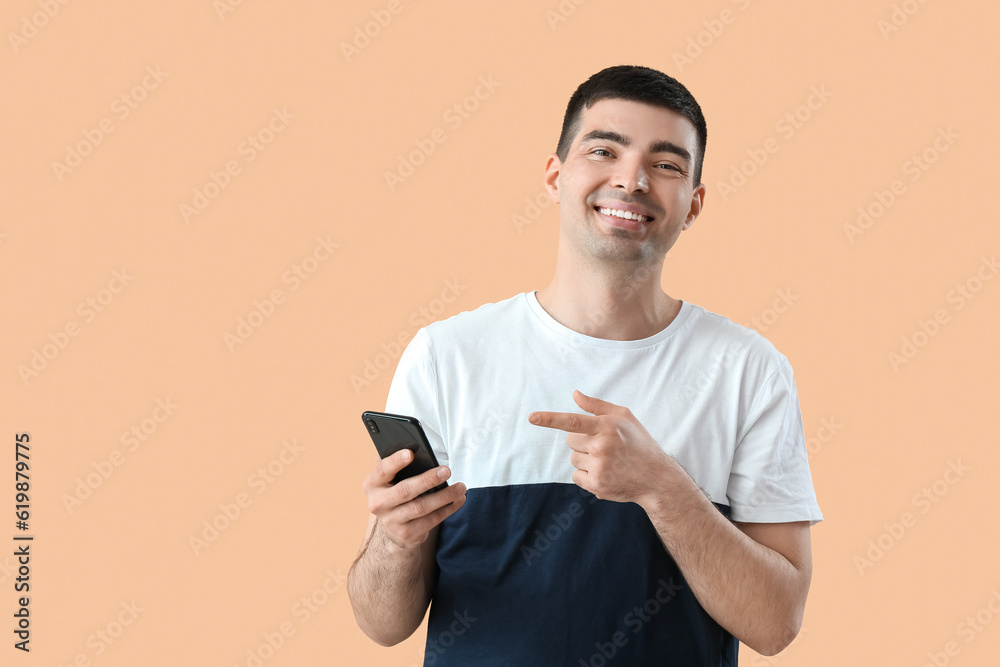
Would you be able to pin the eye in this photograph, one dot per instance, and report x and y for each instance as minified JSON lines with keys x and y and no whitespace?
{"x":603,"y":151}
{"x":668,"y":166}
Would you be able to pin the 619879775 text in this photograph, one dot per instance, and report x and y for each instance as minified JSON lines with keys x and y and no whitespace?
{"x":22,"y":551}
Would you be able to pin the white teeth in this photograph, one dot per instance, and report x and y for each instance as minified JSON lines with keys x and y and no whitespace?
{"x":618,"y":213}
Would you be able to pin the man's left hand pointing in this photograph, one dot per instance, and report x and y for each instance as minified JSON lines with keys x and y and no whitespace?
{"x":614,"y":455}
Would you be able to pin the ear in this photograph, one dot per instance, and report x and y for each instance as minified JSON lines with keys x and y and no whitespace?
{"x":553,"y":165}
{"x":697,"y":202}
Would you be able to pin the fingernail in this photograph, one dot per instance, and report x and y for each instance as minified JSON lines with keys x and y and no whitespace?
{"x":443,"y":473}
{"x":533,"y":418}
{"x":405,"y":455}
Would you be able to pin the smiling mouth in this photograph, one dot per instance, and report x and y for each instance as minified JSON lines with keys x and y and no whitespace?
{"x":623,"y":215}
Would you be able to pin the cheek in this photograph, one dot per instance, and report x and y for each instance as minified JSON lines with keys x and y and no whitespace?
{"x":677,"y":203}
{"x":580,"y":181}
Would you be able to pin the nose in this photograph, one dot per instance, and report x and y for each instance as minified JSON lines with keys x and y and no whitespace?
{"x":631,"y":176}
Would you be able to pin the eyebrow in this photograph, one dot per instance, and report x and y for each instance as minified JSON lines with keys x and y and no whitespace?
{"x":659,"y":146}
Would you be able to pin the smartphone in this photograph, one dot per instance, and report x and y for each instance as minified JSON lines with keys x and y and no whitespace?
{"x":391,"y":433}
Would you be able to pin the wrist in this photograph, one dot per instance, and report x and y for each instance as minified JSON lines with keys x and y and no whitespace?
{"x":661,"y":491}
{"x":393,"y":547}
{"x":674,"y":494}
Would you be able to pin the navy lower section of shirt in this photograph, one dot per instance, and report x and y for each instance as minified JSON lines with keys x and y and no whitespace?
{"x":548,"y":575}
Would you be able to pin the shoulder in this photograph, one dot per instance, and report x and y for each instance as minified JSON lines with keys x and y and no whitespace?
{"x":714,"y":330}
{"x":714,"y":340}
{"x":489,"y":319}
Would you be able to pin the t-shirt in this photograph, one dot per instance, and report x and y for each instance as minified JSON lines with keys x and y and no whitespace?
{"x":533,"y":569}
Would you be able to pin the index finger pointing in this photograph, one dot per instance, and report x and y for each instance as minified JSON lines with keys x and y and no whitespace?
{"x":566,"y":421}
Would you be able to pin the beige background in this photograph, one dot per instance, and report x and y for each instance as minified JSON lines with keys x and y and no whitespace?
{"x":444,"y":240}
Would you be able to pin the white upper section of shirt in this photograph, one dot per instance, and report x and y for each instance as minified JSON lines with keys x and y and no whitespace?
{"x":717,"y":396}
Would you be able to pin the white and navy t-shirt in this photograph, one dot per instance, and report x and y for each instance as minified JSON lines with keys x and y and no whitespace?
{"x":533,"y":569}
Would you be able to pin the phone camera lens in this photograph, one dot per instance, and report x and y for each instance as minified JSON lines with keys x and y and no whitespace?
{"x":372,"y":426}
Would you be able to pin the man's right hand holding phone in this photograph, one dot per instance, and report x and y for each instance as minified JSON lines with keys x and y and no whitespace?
{"x":390,"y":581}
{"x":406,"y":516}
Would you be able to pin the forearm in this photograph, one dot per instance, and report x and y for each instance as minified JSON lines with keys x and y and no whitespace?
{"x":749,"y":589}
{"x":388,"y":588}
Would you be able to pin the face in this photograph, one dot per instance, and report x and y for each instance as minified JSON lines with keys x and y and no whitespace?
{"x":631,"y":157}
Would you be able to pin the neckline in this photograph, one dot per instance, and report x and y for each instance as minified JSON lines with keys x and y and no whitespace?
{"x":578,"y":338}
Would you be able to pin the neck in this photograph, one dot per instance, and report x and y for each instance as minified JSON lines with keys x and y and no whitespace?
{"x":615,"y":301}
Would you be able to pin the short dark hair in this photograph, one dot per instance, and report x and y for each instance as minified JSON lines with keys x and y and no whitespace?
{"x":637,"y":84}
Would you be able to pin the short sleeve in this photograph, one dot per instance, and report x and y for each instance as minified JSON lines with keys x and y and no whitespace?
{"x":769,"y":481}
{"x":414,"y":391}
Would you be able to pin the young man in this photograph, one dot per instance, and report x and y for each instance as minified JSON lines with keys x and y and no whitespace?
{"x":632,"y":479}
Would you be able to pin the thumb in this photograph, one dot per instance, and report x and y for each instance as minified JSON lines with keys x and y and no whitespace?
{"x":594,"y":406}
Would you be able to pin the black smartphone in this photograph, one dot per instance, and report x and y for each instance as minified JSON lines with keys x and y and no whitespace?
{"x":391,"y":433}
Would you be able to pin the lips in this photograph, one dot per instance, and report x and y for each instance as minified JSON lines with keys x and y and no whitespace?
{"x":624,"y":216}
